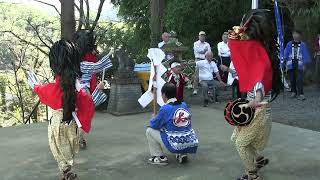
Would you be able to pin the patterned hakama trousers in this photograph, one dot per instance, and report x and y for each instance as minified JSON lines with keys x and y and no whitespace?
{"x":253,"y":138}
{"x":63,"y":140}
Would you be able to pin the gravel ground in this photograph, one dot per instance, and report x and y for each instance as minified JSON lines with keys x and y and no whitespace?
{"x":303,"y":114}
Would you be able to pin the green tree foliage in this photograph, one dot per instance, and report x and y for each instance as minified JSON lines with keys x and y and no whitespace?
{"x":187,"y":18}
{"x":25,"y":38}
{"x":136,"y":14}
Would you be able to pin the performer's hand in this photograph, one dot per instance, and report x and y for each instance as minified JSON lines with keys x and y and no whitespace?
{"x":254,"y":104}
{"x":100,"y":85}
{"x":32,"y":79}
{"x":111,"y":52}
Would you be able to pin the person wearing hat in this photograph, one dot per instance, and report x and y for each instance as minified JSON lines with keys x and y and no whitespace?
{"x":176,"y":77}
{"x":200,"y":48}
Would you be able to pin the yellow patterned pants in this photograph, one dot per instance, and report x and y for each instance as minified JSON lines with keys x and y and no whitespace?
{"x":63,"y":141}
{"x":251,"y":139}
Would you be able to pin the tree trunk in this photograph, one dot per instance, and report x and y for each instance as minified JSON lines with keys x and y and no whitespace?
{"x":68,"y":23}
{"x":3,"y":95}
{"x":156,"y":21}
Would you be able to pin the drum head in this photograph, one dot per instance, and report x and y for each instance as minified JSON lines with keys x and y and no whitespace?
{"x":237,"y":113}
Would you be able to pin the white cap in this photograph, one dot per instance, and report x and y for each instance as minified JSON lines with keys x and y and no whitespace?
{"x":175,"y":64}
{"x":202,"y":33}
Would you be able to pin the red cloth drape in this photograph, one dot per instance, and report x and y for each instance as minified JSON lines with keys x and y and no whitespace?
{"x":51,"y":95}
{"x":252,"y":64}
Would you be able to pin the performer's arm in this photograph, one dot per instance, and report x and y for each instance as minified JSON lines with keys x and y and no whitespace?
{"x":98,"y":96}
{"x":158,"y":121}
{"x":259,"y":93}
{"x":90,"y":67}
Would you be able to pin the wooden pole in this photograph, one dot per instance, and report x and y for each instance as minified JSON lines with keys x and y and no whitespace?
{"x":103,"y":74}
{"x":154,"y":83}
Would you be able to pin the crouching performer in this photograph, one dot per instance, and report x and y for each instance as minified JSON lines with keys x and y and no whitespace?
{"x":171,"y":130}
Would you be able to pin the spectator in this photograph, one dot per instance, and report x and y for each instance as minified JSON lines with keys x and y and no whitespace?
{"x":200,"y":48}
{"x":233,"y":79}
{"x":317,"y":59}
{"x":296,"y":56}
{"x":224,"y":54}
{"x":176,"y":77}
{"x":206,"y":68}
{"x":165,"y":38}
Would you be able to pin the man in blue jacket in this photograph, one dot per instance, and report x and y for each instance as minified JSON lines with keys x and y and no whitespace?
{"x":170,"y":130}
{"x":296,"y":56}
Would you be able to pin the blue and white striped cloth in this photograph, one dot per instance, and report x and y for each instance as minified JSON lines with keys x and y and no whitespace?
{"x":98,"y":97}
{"x":88,"y":68}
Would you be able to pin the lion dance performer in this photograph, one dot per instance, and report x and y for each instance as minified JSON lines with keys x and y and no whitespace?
{"x":73,"y":107}
{"x":89,"y":66}
{"x":253,"y":48}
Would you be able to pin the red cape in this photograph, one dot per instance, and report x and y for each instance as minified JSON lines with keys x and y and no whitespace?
{"x":90,"y":57}
{"x":252,"y":64}
{"x":51,"y":95}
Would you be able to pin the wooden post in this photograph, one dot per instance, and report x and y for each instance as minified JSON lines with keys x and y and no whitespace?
{"x":154,"y":91}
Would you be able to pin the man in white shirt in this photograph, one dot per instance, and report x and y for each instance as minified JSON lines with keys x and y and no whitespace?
{"x":224,"y":54}
{"x":165,"y":38}
{"x":200,"y":48}
{"x":206,"y":68}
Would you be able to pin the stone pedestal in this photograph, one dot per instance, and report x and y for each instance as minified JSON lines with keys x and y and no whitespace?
{"x":124,"y":94}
